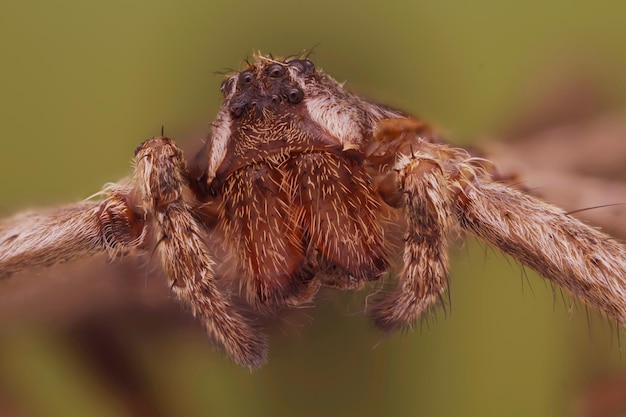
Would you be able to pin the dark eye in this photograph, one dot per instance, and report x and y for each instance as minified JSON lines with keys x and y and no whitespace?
{"x":275,"y":99}
{"x":304,"y":66}
{"x":237,"y":109}
{"x":246,"y":78}
{"x":227,"y":86}
{"x":276,"y":70}
{"x":295,"y":95}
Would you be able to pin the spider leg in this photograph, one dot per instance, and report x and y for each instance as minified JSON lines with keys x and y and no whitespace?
{"x":45,"y":238}
{"x":584,"y":261}
{"x":160,"y":179}
{"x":457,"y":189}
{"x":428,"y":213}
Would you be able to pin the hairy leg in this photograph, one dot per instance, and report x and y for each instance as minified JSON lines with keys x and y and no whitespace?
{"x":67,"y":233}
{"x":587,"y":263}
{"x":160,"y":176}
{"x":580,"y":259}
{"x":427,"y":204}
{"x":584,"y":261}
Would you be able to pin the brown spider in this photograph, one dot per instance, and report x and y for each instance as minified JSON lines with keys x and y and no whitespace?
{"x":303,"y":185}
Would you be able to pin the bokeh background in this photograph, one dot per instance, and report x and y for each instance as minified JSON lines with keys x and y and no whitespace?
{"x":82,"y":83}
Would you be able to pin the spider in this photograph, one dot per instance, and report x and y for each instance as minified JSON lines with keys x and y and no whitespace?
{"x":303,"y":185}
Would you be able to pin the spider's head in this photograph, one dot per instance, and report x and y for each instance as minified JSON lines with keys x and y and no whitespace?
{"x":270,"y":92}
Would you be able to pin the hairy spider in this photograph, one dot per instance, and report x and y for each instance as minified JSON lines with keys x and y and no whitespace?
{"x":301,"y":185}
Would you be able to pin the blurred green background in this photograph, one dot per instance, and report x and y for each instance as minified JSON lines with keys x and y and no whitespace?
{"x":82,"y":83}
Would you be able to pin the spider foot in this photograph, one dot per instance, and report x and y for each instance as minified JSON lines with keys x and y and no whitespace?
{"x":401,"y":309}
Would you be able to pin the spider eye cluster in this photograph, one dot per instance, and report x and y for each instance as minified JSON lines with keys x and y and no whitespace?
{"x":266,"y":86}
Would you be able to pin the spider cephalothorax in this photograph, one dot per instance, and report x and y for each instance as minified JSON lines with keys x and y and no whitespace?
{"x":299,"y":186}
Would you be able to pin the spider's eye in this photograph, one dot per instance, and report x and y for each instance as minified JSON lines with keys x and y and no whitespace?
{"x":245,"y":78}
{"x":237,"y":109}
{"x":275,"y":99}
{"x":227,"y":86}
{"x":295,"y":95}
{"x":304,"y":66}
{"x":276,"y":70}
